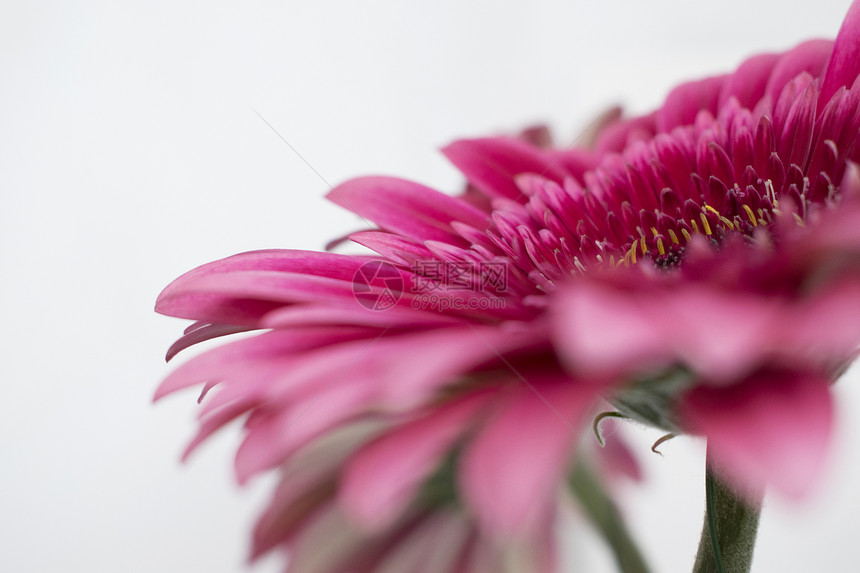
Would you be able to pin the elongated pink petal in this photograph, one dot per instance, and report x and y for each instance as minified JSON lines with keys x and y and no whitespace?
{"x":748,"y":83}
{"x":513,"y":466}
{"x":685,"y":101}
{"x":773,"y":429}
{"x":202,"y":334}
{"x":395,"y":248}
{"x":622,"y":133}
{"x":717,"y":333}
{"x":601,"y":330}
{"x":221,"y":362}
{"x":492,"y":163}
{"x":382,"y":478}
{"x":352,"y":314}
{"x":844,"y":65}
{"x":215,"y":296}
{"x":407,"y":208}
{"x":272,"y":437}
{"x":223,"y":291}
{"x":810,"y":57}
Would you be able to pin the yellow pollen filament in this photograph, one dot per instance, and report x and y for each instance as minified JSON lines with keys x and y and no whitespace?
{"x":642,"y":245}
{"x":687,"y":236}
{"x":673,"y":236}
{"x":727,"y":223}
{"x":711,"y":209}
{"x":705,"y":223}
{"x":750,"y":215}
{"x":660,"y":248}
{"x":654,"y":231}
{"x":632,"y":253}
{"x":695,"y":227}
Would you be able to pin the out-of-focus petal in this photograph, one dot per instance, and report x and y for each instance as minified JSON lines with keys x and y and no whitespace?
{"x":381,"y":479}
{"x":772,"y":429}
{"x":522,"y":452}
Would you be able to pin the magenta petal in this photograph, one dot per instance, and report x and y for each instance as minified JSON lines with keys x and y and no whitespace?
{"x":772,"y":429}
{"x":600,"y":329}
{"x":844,"y":65}
{"x":618,"y":135}
{"x":748,"y":83}
{"x":202,"y":334}
{"x":249,"y":354}
{"x":685,"y":101}
{"x":393,"y":247}
{"x":381,"y":480}
{"x":215,"y":293}
{"x":491,"y":164}
{"x":350,"y":314}
{"x":512,"y":468}
{"x":809,"y":57}
{"x":273,"y":437}
{"x":718,"y":333}
{"x":407,"y":208}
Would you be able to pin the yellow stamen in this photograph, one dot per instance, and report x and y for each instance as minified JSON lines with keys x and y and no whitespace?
{"x":654,"y":231}
{"x":633,"y":253}
{"x":660,"y":248}
{"x":694,"y":225}
{"x":686,"y":234}
{"x":750,"y":215}
{"x":673,"y":236}
{"x":727,"y":223}
{"x":705,"y":223}
{"x":642,"y":244}
{"x":712,"y":210}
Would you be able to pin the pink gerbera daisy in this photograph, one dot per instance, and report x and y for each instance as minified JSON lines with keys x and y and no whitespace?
{"x":695,"y":266}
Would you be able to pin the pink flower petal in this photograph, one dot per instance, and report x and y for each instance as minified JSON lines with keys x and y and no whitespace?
{"x":771,"y":429}
{"x":511,"y":470}
{"x":616,"y":136}
{"x":382,"y":478}
{"x":407,"y":208}
{"x":492,"y":163}
{"x":227,"y":292}
{"x":748,"y":83}
{"x":844,"y":65}
{"x":720,"y":334}
{"x":685,"y":102}
{"x":202,"y":334}
{"x":395,"y":248}
{"x":809,"y":57}
{"x":598,"y":329}
{"x":351,"y":314}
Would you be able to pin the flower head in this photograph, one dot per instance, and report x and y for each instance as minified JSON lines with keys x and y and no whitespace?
{"x":695,"y":266}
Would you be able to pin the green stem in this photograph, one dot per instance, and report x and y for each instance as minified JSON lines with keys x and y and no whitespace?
{"x":605,"y":516}
{"x":730,"y":528}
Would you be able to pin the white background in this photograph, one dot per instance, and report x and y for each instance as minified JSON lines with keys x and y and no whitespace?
{"x":130,"y":152}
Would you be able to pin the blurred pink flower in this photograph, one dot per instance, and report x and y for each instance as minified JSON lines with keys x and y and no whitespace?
{"x":695,"y":266}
